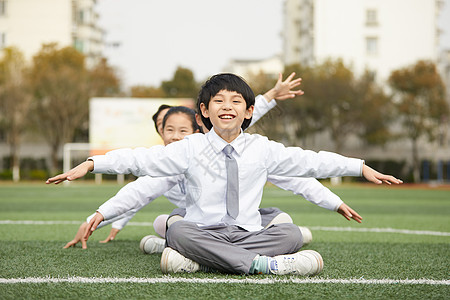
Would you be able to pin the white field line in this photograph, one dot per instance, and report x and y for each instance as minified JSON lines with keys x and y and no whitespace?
{"x":381,"y":230}
{"x":169,"y":279}
{"x":31,"y":222}
{"x":318,"y":228}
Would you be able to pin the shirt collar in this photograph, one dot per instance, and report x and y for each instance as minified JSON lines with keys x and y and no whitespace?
{"x":218,"y":143}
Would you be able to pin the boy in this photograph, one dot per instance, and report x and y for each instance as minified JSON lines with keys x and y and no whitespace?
{"x":134,"y":196}
{"x":217,"y":232}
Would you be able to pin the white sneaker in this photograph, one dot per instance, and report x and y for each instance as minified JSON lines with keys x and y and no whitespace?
{"x":152,"y":244}
{"x":307,"y":263}
{"x":174,"y":262}
{"x":307,"y":235}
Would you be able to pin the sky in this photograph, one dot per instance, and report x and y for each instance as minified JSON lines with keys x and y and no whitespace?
{"x":148,"y":39}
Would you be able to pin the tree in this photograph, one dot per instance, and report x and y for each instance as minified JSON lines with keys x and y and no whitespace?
{"x":14,"y":102}
{"x":141,"y":91}
{"x":260,"y":82}
{"x":420,"y":101}
{"x":182,"y":84}
{"x":376,"y":111}
{"x":334,"y":101}
{"x":61,"y":95}
{"x":103,"y":80}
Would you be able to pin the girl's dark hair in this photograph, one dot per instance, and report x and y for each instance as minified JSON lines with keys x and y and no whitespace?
{"x":155,"y":116}
{"x":185,"y":110}
{"x":228,"y":82}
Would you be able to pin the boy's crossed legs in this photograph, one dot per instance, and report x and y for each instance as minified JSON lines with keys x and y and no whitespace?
{"x":269,"y":216}
{"x":231,"y":249}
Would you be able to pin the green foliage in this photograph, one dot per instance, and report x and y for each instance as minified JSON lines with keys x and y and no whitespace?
{"x":142,"y":91}
{"x":334,"y":101}
{"x":421,"y":98}
{"x":420,"y":103}
{"x":15,"y":99}
{"x":103,"y":80}
{"x":182,"y":85}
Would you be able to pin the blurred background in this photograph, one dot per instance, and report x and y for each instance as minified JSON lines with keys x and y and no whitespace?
{"x":376,"y":76}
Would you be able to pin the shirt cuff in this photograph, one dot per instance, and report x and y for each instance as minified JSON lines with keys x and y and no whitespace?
{"x":269,"y":105}
{"x":100,"y":165}
{"x":355,"y":167}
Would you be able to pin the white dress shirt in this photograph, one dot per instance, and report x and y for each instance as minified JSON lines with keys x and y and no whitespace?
{"x":121,"y":208}
{"x":200,"y":159}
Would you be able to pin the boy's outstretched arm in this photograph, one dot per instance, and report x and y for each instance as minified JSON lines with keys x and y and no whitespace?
{"x":349,"y":213}
{"x":283,"y":89}
{"x":79,"y":237}
{"x":377,"y":177}
{"x":75,"y":173}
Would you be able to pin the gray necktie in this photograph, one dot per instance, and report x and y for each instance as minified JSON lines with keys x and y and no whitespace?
{"x":232,"y":183}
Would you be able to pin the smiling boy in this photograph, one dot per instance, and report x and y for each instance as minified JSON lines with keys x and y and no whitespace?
{"x":215,"y":234}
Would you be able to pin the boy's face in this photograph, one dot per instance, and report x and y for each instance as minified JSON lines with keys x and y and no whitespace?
{"x":227,"y":111}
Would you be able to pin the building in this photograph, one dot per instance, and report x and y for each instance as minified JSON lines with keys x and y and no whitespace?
{"x":374,"y":35}
{"x":27,"y":24}
{"x":378,"y":35}
{"x":246,"y":67}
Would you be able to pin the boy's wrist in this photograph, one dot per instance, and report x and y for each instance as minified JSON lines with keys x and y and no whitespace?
{"x":270,"y":95}
{"x":89,"y":164}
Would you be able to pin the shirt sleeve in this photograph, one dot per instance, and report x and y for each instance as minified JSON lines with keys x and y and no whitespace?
{"x":294,"y":161}
{"x":123,"y":221}
{"x":170,"y":160}
{"x":310,"y":189}
{"x":118,"y":222}
{"x":135,"y":195}
{"x":261,"y":108}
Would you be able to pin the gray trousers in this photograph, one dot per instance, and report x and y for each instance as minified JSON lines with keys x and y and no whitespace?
{"x":231,"y":249}
{"x":267,"y":214}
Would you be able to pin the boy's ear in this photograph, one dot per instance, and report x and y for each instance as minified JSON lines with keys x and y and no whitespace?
{"x":204,"y":110}
{"x":249,"y":112}
{"x":198,"y":119}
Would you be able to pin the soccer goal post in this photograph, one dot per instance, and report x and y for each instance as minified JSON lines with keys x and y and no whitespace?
{"x":75,"y":153}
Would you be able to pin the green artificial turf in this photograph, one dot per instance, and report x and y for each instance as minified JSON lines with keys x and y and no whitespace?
{"x":36,"y":250}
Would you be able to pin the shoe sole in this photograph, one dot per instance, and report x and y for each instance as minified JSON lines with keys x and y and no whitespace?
{"x":165,"y":260}
{"x":318,"y":258}
{"x":142,"y":243}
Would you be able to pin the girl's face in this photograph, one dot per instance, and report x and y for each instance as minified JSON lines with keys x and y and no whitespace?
{"x":177,"y":126}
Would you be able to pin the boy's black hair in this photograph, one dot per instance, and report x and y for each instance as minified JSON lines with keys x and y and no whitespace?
{"x":229,"y":82}
{"x":184,"y":110}
{"x":155,"y":116}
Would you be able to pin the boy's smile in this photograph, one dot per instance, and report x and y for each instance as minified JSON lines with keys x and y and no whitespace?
{"x":227,"y":111}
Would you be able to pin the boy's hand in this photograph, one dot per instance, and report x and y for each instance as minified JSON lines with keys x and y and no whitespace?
{"x":75,"y":173}
{"x":93,"y":223}
{"x":78,"y":237}
{"x":349,"y":213}
{"x":377,"y":177}
{"x":111,"y":236}
{"x":283,"y":89}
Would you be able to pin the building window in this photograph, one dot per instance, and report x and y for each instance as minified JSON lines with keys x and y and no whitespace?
{"x":2,"y":8}
{"x":79,"y":45}
{"x":81,"y":17}
{"x":371,"y":17}
{"x":2,"y":40}
{"x":372,"y":45}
